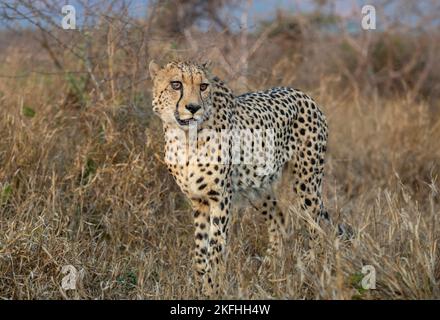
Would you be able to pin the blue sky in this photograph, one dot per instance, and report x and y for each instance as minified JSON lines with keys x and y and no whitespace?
{"x":259,"y":10}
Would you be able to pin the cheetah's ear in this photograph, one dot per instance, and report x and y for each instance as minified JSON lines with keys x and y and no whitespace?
{"x":154,"y":68}
{"x":207,"y":64}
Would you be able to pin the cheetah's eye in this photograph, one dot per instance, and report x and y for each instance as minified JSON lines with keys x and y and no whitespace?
{"x":203,"y":86}
{"x":176,"y":85}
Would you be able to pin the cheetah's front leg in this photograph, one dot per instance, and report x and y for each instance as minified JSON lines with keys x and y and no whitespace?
{"x":201,"y":251}
{"x":218,"y":232}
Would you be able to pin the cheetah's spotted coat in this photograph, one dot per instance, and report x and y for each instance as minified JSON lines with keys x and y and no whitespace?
{"x":184,"y":95}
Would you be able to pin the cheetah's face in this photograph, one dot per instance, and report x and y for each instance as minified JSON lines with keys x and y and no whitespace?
{"x":181,"y":93}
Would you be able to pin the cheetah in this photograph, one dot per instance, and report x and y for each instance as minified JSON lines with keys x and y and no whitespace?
{"x":280,"y":130}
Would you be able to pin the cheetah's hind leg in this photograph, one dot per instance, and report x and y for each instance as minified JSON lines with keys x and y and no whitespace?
{"x":276,"y":227}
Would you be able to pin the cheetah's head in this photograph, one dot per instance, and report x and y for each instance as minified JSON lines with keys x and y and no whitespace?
{"x":181,"y":93}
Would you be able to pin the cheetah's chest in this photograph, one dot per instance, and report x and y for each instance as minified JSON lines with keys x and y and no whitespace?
{"x":199,"y":172}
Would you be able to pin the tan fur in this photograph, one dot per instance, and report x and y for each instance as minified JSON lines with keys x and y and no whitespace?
{"x":281,"y":131}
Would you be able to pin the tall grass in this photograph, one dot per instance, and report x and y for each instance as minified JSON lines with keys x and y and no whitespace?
{"x":85,"y":186}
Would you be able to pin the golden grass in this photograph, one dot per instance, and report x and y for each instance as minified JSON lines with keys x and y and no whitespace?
{"x":86,"y":187}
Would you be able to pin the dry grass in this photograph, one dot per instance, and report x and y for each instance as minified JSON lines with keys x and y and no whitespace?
{"x":85,"y":186}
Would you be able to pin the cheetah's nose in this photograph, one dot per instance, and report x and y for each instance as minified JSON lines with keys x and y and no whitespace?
{"x":193,"y":108}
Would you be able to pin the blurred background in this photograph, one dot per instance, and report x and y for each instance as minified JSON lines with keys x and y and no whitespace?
{"x":82,"y":182}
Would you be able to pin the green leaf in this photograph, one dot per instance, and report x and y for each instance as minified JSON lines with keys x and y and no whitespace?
{"x":356,"y":280}
{"x":28,"y":112}
{"x":173,"y":45}
{"x":89,"y":169}
{"x":6,"y":193}
{"x":128,"y":280}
